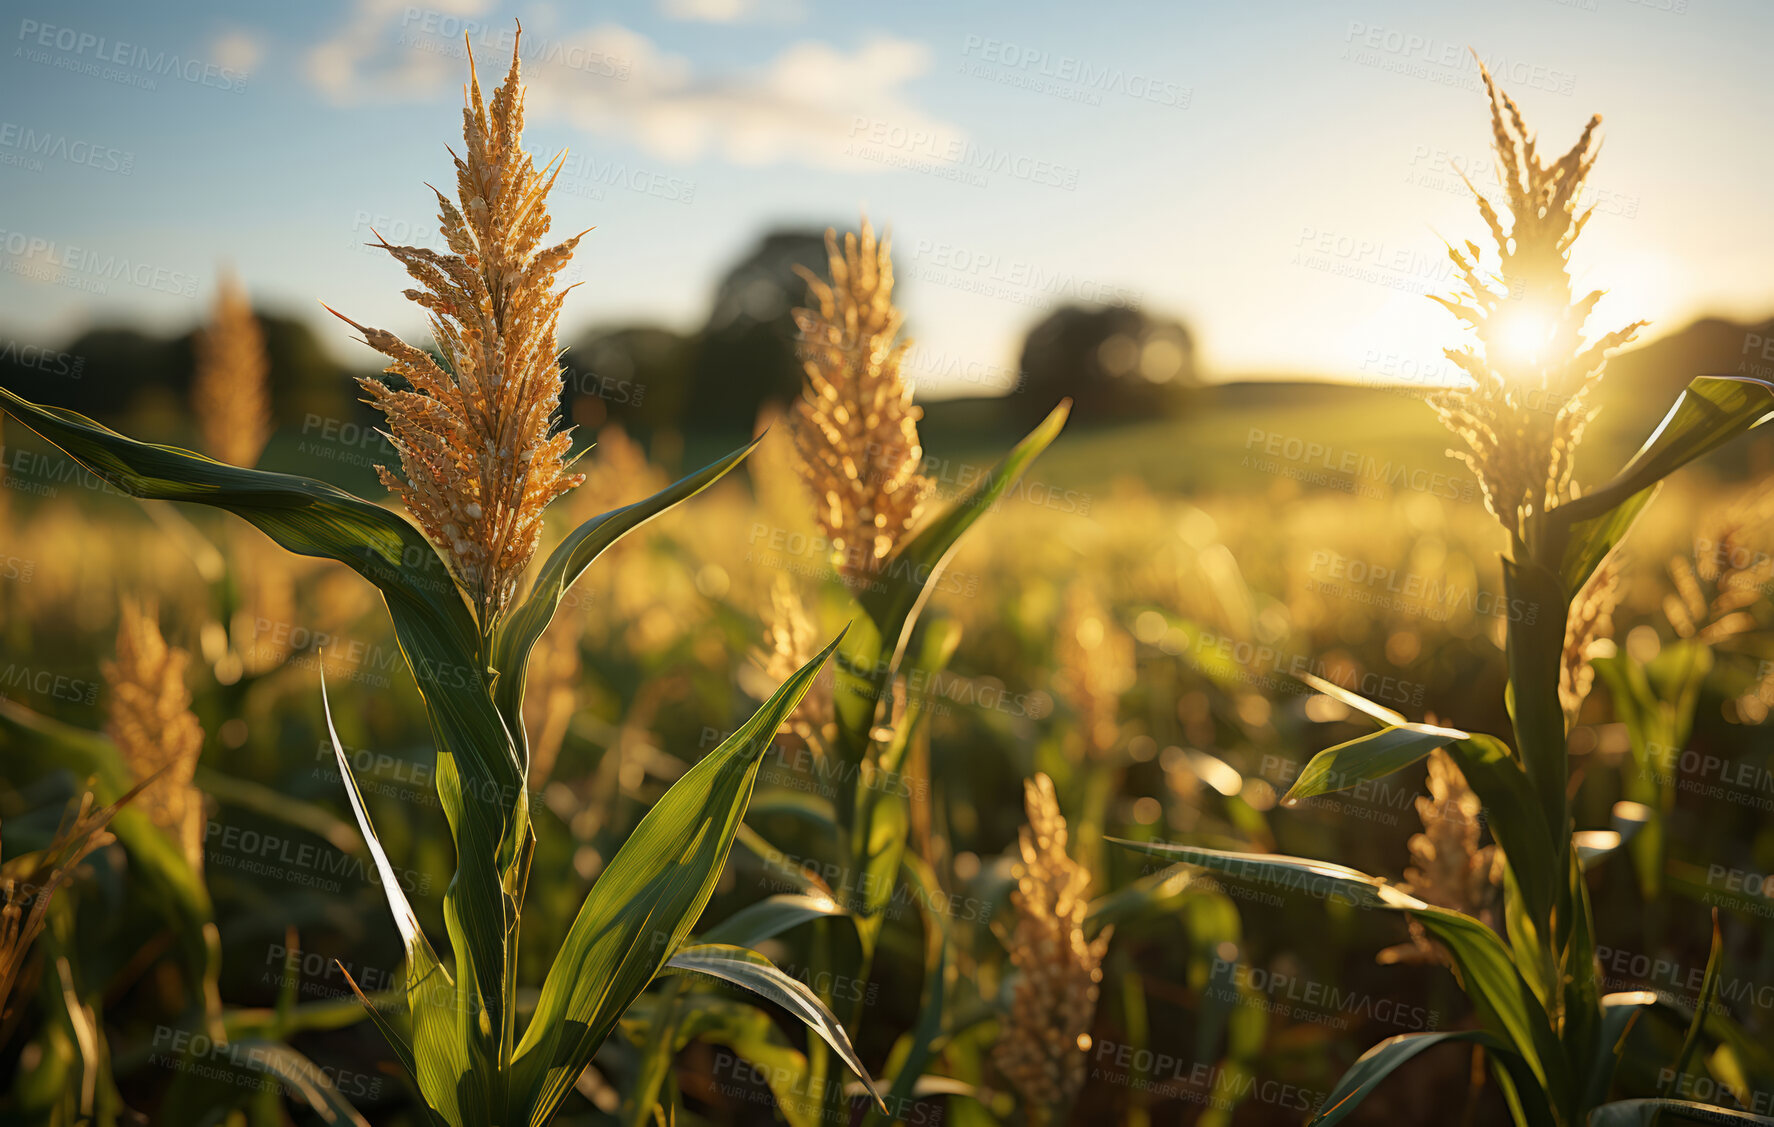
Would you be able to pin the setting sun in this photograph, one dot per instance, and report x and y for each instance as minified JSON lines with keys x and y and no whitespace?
{"x":1523,"y":332}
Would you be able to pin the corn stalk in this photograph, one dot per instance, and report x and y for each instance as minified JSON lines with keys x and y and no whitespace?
{"x":463,"y":1044}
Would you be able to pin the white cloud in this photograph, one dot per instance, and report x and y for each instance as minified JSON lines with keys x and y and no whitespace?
{"x":389,"y":50}
{"x":237,"y":50}
{"x":813,"y":104}
{"x":733,"y":11}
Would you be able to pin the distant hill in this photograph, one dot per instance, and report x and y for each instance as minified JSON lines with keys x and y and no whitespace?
{"x":1641,"y":383}
{"x":139,"y":381}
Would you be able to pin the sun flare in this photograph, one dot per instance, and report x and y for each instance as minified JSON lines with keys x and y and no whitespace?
{"x":1523,"y":332}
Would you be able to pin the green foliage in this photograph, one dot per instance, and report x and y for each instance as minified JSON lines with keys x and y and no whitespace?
{"x":464,"y":1052}
{"x":1551,"y":1038}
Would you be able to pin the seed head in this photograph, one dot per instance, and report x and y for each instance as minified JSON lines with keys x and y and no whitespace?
{"x":1715,"y":594}
{"x":1591,"y":619}
{"x":1048,"y":1034}
{"x":1532,"y":368}
{"x":475,"y":425}
{"x":1448,"y":868}
{"x":229,"y":394}
{"x":855,"y":428}
{"x":792,"y":640}
{"x":152,"y":724}
{"x":1096,"y":665}
{"x":551,"y":695}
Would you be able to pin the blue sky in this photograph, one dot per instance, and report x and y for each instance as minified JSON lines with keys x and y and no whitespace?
{"x":1279,"y":173}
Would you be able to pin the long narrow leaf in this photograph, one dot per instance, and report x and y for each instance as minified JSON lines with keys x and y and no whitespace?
{"x":1513,"y":816}
{"x":479,"y":775}
{"x":1667,"y":1113}
{"x":909,"y":575}
{"x":1382,"y":1061}
{"x":301,"y":1076}
{"x":1368,"y":757}
{"x":921,"y":1041}
{"x":306,"y":516}
{"x":1505,"y":1002}
{"x":1591,"y":540}
{"x":437,"y":1053}
{"x":643,"y":906}
{"x":412,"y":936}
{"x":1353,"y":700}
{"x":747,"y":968}
{"x":567,"y":563}
{"x":1710,"y":412}
{"x":1709,"y":989}
{"x":770,"y":917}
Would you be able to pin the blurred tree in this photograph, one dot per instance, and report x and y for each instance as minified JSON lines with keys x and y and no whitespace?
{"x":636,"y":375}
{"x":102,"y":372}
{"x":746,"y":356}
{"x":141,"y":382}
{"x":305,"y":379}
{"x":1115,"y":362}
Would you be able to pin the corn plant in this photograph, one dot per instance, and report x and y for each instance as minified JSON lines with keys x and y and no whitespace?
{"x":858,"y":454}
{"x":474,"y":424}
{"x":858,"y":448}
{"x":1551,"y":1039}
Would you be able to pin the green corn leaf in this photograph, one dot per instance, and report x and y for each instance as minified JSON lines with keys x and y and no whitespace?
{"x":753,"y":1036}
{"x":1487,"y":763}
{"x":403,"y":1049}
{"x":770,"y":917}
{"x":1379,"y":1062}
{"x":910,"y":575}
{"x":644,"y":905}
{"x":1656,"y":701}
{"x":1525,"y":937}
{"x":568,"y":561}
{"x":813,"y":809}
{"x":747,"y":927}
{"x":1591,"y":540}
{"x":782,"y":867}
{"x":1513,"y":816}
{"x":301,"y":1076}
{"x":920,"y":1044}
{"x":1581,"y":976}
{"x":479,"y":775}
{"x":1667,"y":1113}
{"x":1368,"y":757}
{"x":418,"y":948}
{"x":1619,"y":1012}
{"x":1710,"y":412}
{"x":1538,"y":605}
{"x":1353,"y":700}
{"x":438,"y":1053}
{"x":1505,"y":1003}
{"x":667,"y":1017}
{"x":308,"y":517}
{"x":1753,"y":1056}
{"x":747,"y":968}
{"x":883,"y":803}
{"x":1163,"y":891}
{"x":1709,"y":989}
